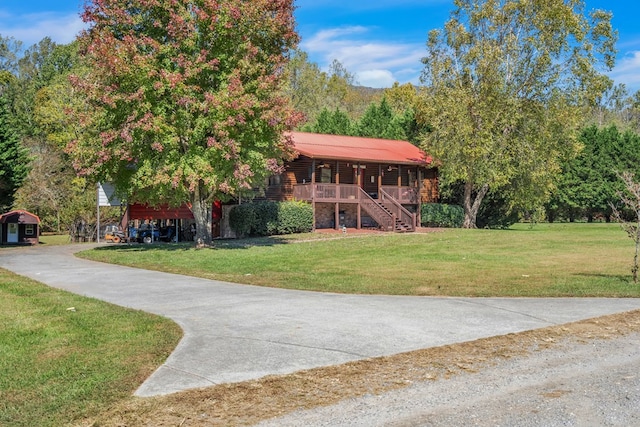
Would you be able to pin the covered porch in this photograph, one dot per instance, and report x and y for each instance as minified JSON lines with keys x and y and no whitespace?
{"x":376,"y":194}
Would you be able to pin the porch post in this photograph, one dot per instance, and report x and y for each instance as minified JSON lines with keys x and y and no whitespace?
{"x":313,"y":191}
{"x":379,"y":179}
{"x":399,"y":176}
{"x":336,"y":220}
{"x":420,"y":175}
{"x":359,"y":224}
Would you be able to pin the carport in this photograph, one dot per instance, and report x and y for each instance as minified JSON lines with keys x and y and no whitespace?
{"x":179,"y":217}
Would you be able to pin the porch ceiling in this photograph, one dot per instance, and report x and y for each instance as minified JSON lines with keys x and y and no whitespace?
{"x":337,"y":147}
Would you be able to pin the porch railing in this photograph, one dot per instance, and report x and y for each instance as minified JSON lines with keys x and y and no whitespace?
{"x":349,"y":192}
{"x":404,"y":195}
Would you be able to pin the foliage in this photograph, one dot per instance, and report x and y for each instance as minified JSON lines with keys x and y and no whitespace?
{"x":495,"y":212}
{"x":335,"y":122}
{"x":267,"y":218}
{"x":441,"y":215}
{"x":378,"y":121}
{"x":306,"y":86}
{"x":312,"y":91}
{"x":184,"y":99}
{"x":630,"y":198}
{"x":294,"y":217}
{"x":60,"y":366}
{"x":507,"y":86}
{"x":42,"y":96}
{"x":588,"y":185}
{"x":14,"y":160}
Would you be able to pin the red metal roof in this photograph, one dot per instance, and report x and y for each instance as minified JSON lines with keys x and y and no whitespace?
{"x":142,"y":211}
{"x":337,"y":147}
{"x":20,"y":217}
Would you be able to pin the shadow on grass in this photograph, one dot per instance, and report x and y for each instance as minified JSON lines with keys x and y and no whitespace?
{"x":185,"y":246}
{"x":619,"y":277}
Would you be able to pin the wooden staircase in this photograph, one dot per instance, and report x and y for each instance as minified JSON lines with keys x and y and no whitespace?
{"x":388,"y":213}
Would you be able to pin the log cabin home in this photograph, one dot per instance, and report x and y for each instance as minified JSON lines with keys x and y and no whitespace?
{"x":357,"y":182}
{"x":351,"y":182}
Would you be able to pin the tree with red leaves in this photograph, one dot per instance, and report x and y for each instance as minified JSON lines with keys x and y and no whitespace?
{"x":183,"y":98}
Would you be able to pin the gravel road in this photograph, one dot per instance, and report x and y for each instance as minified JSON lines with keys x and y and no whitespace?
{"x":592,"y":383}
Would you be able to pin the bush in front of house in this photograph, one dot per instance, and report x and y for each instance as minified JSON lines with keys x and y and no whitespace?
{"x":441,"y":215}
{"x":266,"y":218}
{"x":295,"y":217}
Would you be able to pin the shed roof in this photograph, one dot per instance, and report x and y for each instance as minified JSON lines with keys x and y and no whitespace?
{"x":20,"y":217}
{"x":338,"y":147}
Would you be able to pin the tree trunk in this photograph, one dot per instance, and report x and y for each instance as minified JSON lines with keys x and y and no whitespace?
{"x":202,"y":209}
{"x":471,"y":209}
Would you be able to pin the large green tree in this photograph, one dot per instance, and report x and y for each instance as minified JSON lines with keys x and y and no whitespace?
{"x":508,"y":82}
{"x":184,"y":98}
{"x":14,"y":161}
{"x":589,"y":183}
{"x":334,"y":122}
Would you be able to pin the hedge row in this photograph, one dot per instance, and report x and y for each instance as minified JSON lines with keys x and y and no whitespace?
{"x":268,"y":218}
{"x":441,"y":215}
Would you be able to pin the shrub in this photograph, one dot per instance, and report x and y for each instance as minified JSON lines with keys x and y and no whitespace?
{"x":242,"y":219}
{"x":268,"y":218}
{"x":441,"y":215}
{"x":295,"y":217}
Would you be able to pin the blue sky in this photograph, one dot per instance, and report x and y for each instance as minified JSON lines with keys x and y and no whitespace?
{"x":380,"y":41}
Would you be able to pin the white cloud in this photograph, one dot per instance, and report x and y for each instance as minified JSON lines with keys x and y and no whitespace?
{"x":376,"y":63}
{"x":30,"y":29}
{"x":343,"y":5}
{"x":376,"y":78}
{"x":628,"y":71}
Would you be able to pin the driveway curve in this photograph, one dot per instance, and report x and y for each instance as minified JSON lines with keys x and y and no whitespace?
{"x":238,"y":332}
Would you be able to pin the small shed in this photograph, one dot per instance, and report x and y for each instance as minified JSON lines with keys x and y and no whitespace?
{"x":19,"y":228}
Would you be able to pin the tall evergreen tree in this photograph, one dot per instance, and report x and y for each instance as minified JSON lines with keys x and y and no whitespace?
{"x":14,"y":161}
{"x":334,"y":122}
{"x":589,"y":183}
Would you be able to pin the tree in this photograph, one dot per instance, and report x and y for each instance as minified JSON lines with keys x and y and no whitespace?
{"x":332,"y":123}
{"x":379,"y":121}
{"x":588,"y":184}
{"x":306,"y":85}
{"x":507,"y":85}
{"x":14,"y":161}
{"x":185,"y":98}
{"x":630,"y":198}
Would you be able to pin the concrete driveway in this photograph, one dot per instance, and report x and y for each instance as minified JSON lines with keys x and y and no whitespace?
{"x":237,"y":332}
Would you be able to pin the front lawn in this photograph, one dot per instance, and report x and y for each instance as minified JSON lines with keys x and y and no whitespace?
{"x":547,"y":260}
{"x":65,"y":357}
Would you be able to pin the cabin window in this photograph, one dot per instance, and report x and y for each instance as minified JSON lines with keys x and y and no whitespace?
{"x":412,"y":177}
{"x":29,"y":230}
{"x":275,"y":180}
{"x":325,"y":175}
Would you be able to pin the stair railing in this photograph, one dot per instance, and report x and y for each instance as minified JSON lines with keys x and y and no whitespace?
{"x":384,"y":218}
{"x":400,"y":211}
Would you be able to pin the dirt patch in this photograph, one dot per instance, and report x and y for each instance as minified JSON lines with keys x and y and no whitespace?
{"x":251,"y":401}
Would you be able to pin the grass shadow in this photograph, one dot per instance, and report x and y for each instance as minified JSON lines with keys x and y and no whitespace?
{"x":185,"y":246}
{"x":619,"y":277}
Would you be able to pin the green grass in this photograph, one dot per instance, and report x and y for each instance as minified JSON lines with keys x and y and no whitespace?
{"x":59,"y":365}
{"x":547,"y":260}
{"x":54,"y":239}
